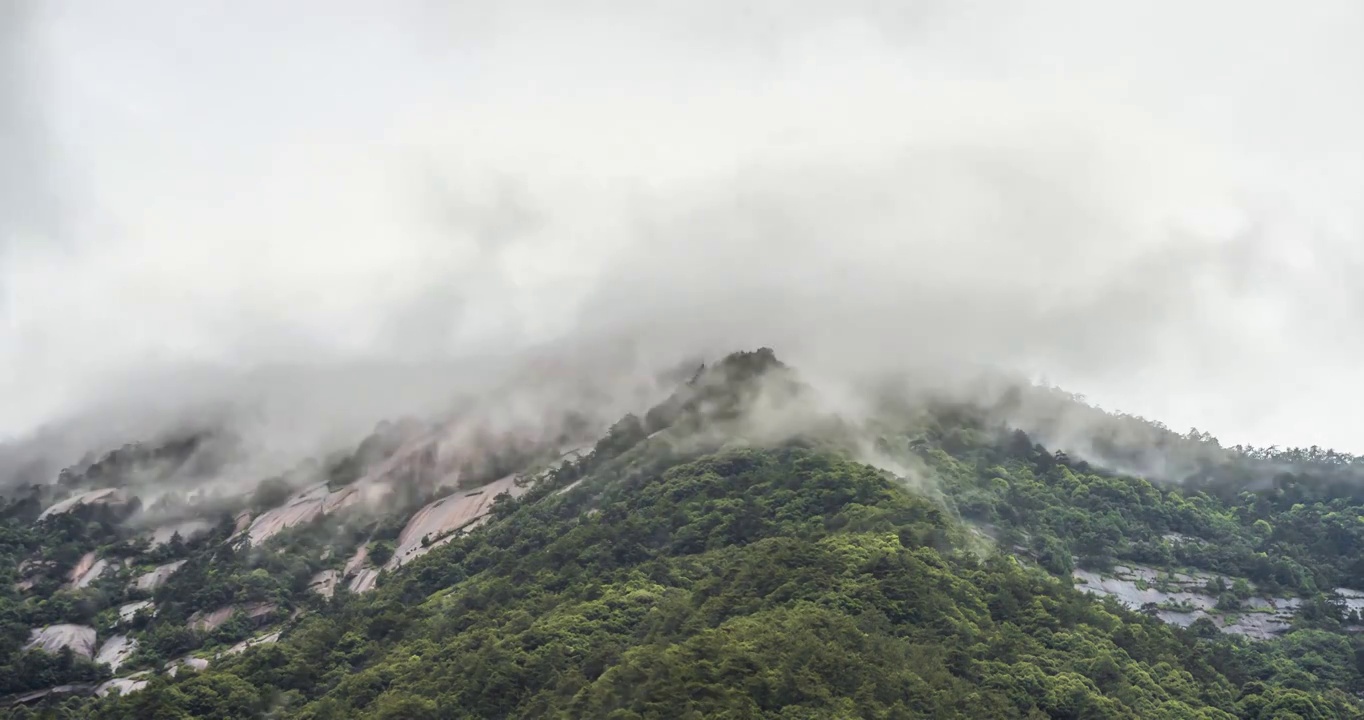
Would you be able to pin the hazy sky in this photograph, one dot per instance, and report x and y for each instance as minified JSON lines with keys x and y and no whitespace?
{"x":1160,"y":204}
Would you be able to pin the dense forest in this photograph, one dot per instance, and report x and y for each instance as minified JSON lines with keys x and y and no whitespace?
{"x":693,"y":565}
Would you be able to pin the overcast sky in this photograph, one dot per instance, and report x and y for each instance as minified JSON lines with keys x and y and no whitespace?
{"x":1159,"y":204}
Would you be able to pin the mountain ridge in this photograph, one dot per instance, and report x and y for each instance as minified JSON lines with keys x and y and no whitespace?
{"x":743,"y":454}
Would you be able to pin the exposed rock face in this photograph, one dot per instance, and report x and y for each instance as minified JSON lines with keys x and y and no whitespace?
{"x":1353,"y":599}
{"x":57,"y":691}
{"x":446,"y":515}
{"x":32,"y":571}
{"x":208,"y":622}
{"x":252,"y":642}
{"x":197,"y":664}
{"x":1127,"y":591}
{"x":1260,"y":625}
{"x":362,"y":576}
{"x":87,"y":570}
{"x":574,"y":454}
{"x":412,"y":463}
{"x":416,"y":464}
{"x":80,"y":638}
{"x":157,"y":577}
{"x":116,"y":650}
{"x":357,"y":560}
{"x":82,"y":566}
{"x":364,"y":580}
{"x":301,"y":508}
{"x":105,"y":496}
{"x":127,"y":612}
{"x":1184,"y":601}
{"x":28,"y":566}
{"x":314,"y":502}
{"x":125,"y":686}
{"x":568,"y":487}
{"x":359,"y":493}
{"x":324,"y":583}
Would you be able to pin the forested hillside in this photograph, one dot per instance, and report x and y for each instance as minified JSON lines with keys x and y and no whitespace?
{"x":934,"y":560}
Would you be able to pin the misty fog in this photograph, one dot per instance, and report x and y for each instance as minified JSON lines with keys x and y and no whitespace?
{"x":335,"y":213}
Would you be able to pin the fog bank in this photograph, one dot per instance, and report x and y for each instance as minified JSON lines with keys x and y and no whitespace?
{"x":328,"y":214}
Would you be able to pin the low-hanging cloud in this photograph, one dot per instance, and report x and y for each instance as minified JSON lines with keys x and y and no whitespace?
{"x":350,"y":212}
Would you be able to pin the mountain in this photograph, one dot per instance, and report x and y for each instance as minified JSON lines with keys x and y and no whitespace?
{"x":754,"y":545}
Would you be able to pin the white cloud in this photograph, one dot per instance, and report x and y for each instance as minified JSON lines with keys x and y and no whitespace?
{"x":1157,"y":205}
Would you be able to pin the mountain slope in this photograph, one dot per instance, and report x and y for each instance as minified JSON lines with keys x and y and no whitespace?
{"x":700,"y":563}
{"x":742,"y":585}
